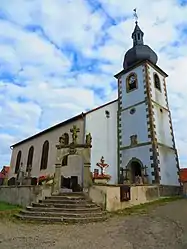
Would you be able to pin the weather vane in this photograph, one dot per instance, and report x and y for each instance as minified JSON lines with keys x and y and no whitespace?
{"x":135,"y":15}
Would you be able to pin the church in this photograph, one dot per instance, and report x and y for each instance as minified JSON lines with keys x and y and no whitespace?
{"x":132,"y":132}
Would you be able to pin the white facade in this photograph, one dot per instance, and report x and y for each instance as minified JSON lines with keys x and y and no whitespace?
{"x":164,"y":131}
{"x":134,"y":124}
{"x":104,"y":137}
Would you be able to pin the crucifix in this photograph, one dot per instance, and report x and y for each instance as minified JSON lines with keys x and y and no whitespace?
{"x":74,"y":132}
{"x":102,"y":165}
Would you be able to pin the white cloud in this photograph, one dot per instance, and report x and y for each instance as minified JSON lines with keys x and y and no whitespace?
{"x":36,"y":66}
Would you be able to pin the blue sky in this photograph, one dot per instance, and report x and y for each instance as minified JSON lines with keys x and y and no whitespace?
{"x":58,"y":58}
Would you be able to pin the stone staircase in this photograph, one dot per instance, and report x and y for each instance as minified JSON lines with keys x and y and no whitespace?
{"x":66,"y":207}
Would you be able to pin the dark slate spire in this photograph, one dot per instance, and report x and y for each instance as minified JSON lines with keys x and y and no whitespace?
{"x":139,"y":51}
{"x":137,"y":35}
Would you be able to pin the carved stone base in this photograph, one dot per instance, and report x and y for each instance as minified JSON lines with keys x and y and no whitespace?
{"x":145,"y":180}
{"x":26,"y":181}
{"x":101,"y":180}
{"x":126,"y":181}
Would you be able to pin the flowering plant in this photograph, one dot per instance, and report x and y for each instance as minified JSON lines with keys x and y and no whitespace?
{"x":45,"y":179}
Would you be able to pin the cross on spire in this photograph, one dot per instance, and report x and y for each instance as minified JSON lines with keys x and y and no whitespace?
{"x":135,"y":15}
{"x":137,"y":34}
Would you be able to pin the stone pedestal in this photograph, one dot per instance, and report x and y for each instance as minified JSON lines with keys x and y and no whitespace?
{"x":27,"y":181}
{"x":145,"y":180}
{"x":87,"y":182}
{"x":127,"y":181}
{"x":57,"y":179}
{"x":101,"y":180}
{"x":5,"y":181}
{"x":87,"y":179}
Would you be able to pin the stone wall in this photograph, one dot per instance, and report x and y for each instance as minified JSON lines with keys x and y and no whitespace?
{"x":166,"y":190}
{"x":98,"y":195}
{"x":108,"y":196}
{"x":184,"y":190}
{"x":23,"y":195}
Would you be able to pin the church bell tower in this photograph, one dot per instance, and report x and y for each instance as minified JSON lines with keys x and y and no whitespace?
{"x":146,"y":145}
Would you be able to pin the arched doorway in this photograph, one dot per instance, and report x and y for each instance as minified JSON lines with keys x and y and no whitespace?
{"x":135,"y":169}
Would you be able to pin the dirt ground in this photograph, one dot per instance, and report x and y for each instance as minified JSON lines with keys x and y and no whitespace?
{"x":162,"y":227}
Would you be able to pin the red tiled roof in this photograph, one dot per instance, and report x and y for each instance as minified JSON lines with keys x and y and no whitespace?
{"x":183,"y":175}
{"x":4,"y":172}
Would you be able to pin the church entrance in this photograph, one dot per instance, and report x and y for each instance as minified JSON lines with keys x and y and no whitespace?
{"x":70,"y":183}
{"x":136,"y":171}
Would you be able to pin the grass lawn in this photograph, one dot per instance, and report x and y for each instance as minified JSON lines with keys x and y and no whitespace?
{"x":8,"y":210}
{"x":6,"y":206}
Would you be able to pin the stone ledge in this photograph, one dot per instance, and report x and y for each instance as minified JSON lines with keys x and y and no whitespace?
{"x":120,"y":185}
{"x":21,"y":186}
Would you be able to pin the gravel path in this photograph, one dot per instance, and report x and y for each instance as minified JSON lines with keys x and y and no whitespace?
{"x":164,"y":227}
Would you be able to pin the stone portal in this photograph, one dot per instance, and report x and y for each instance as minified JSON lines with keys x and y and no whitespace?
{"x":134,"y":173}
{"x":74,"y":151}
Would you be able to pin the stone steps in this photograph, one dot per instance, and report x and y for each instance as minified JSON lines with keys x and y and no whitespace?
{"x":71,"y":210}
{"x":61,"y":197}
{"x":67,"y":207}
{"x":64,"y":205}
{"x":49,"y":219}
{"x":66,"y":201}
{"x":69,"y":194}
{"x":60,"y":214}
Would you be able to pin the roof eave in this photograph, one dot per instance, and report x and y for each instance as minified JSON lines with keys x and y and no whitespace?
{"x":49,"y":129}
{"x":137,"y":64}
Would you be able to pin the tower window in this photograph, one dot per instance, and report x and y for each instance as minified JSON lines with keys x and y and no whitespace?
{"x":157,"y":81}
{"x":131,"y":82}
{"x":138,"y":36}
{"x":107,"y":113}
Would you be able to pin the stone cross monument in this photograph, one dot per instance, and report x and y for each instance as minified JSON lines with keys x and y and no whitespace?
{"x":74,"y":148}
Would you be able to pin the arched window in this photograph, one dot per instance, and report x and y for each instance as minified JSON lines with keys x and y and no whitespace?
{"x":66,"y":138}
{"x":65,"y":161}
{"x":131,"y":82}
{"x":157,"y":81}
{"x":45,"y":152}
{"x":18,"y":161}
{"x":30,"y":158}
